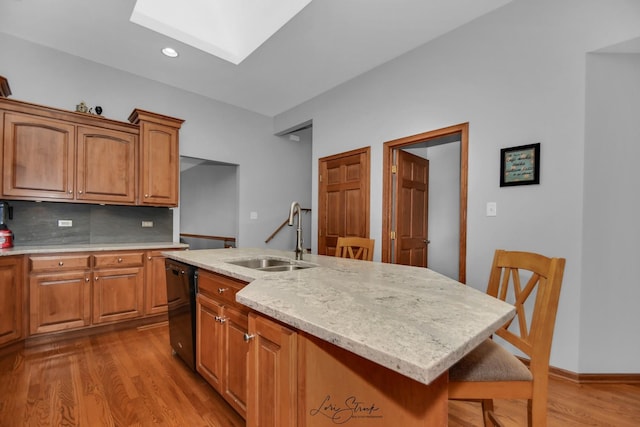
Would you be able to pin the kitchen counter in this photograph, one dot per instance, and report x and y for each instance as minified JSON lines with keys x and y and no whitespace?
{"x":411,"y":320}
{"x":93,"y":247}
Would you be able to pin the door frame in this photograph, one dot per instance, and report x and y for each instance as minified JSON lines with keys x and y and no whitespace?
{"x":387,"y":188}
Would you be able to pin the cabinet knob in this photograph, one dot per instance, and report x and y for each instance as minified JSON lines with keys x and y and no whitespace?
{"x":149,"y":258}
{"x":146,"y":195}
{"x":79,"y":191}
{"x":96,"y":279}
{"x":119,"y":259}
{"x":222,"y":290}
{"x":248,"y":337}
{"x":60,"y":263}
{"x":70,"y":191}
{"x":220,"y":319}
{"x":86,"y":279}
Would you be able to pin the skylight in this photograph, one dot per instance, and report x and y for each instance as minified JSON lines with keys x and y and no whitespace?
{"x":229,"y":29}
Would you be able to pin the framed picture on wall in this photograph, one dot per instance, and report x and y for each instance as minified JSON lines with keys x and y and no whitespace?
{"x":520,"y":165}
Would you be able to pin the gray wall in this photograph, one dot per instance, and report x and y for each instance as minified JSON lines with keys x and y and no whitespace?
{"x":517,"y":75}
{"x":272,"y":170}
{"x":609,"y":314}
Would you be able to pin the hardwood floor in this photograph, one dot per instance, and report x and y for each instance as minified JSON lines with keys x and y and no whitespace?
{"x":130,"y":378}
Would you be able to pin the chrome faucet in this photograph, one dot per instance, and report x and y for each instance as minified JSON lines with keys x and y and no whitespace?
{"x":295,"y":207}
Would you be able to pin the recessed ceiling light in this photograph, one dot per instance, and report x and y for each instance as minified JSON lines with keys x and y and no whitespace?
{"x":170,"y":52}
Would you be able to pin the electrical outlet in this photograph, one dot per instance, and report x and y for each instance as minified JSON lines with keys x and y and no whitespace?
{"x":147,"y":224}
{"x":65,"y":223}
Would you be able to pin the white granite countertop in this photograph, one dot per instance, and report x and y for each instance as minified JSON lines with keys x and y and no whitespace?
{"x":411,"y":320}
{"x":89,"y":247}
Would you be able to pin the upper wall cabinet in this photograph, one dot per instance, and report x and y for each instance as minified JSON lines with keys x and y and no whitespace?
{"x":159,"y":158}
{"x":57,"y":155}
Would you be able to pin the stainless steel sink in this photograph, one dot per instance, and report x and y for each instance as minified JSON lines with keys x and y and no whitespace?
{"x":270,"y":264}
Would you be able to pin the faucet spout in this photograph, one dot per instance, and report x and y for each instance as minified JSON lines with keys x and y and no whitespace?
{"x":295,"y":209}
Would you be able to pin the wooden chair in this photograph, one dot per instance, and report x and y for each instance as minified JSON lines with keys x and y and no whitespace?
{"x":490,"y":371}
{"x":355,"y":247}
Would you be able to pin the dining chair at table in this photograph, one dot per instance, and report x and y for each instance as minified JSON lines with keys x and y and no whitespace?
{"x":492,"y":372}
{"x":355,"y":247}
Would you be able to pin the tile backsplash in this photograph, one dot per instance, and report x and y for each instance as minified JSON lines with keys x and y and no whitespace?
{"x":36,"y":223}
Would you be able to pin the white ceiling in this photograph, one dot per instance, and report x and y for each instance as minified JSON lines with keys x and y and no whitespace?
{"x":326,"y":44}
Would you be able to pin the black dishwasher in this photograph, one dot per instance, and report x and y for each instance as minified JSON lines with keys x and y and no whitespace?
{"x":182,"y":282}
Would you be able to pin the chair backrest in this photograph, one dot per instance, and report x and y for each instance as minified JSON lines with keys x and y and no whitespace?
{"x":355,"y":247}
{"x":544,"y":281}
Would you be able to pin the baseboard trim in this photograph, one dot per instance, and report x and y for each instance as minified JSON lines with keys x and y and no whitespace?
{"x":593,"y":378}
{"x":563,"y":374}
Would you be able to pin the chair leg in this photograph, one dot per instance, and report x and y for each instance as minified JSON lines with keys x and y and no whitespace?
{"x":487,"y":411}
{"x":537,"y":412}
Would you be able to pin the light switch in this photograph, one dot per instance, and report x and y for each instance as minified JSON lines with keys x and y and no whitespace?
{"x":492,"y":209}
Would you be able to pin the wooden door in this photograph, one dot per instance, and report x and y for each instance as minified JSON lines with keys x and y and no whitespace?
{"x":59,"y":301}
{"x":236,"y":350}
{"x":39,"y":157}
{"x":272,"y":380}
{"x":118,"y":294}
{"x":159,"y":164}
{"x":343,"y":199}
{"x":411,"y":210}
{"x":10,"y":299}
{"x":209,"y":342}
{"x":106,"y":165}
{"x":155,"y":286}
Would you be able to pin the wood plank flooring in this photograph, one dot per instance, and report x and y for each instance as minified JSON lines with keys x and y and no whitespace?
{"x":130,"y":378}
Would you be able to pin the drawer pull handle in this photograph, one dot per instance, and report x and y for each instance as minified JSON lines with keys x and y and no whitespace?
{"x":221,"y":319}
{"x":60,"y":263}
{"x":222,"y":290}
{"x":248,"y":337}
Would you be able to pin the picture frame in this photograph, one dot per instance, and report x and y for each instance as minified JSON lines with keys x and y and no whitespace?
{"x":520,"y":165}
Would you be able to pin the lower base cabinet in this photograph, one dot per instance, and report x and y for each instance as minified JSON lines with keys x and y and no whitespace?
{"x":221,"y":349}
{"x":10,"y":299}
{"x":272,"y":374}
{"x":78,"y":290}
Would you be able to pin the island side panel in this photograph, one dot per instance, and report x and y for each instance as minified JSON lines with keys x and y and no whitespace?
{"x":336,"y":386}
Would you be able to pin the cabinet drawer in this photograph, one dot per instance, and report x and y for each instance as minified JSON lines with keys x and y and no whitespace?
{"x":59,"y":262}
{"x":219,"y":287}
{"x":118,"y":259}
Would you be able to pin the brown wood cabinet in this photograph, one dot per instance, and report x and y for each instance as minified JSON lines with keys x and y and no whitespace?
{"x":221,"y":325}
{"x":155,"y":284}
{"x":11,"y":284}
{"x":159,"y":158}
{"x":39,"y":157}
{"x":58,"y":155}
{"x":118,"y":286}
{"x":69,"y":291}
{"x":272,"y":374}
{"x":106,"y":165}
{"x":59,"y":292}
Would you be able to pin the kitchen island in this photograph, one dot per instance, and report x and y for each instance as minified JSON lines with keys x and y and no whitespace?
{"x":374,"y":341}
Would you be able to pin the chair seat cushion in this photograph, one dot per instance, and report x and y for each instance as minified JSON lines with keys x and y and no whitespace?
{"x":489,"y":362}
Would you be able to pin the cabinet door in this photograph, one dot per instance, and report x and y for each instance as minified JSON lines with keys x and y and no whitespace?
{"x":272,"y":378}
{"x":10,"y":299}
{"x":59,"y":301}
{"x":106,"y":165}
{"x":235,"y":357}
{"x":155,"y":286}
{"x":117,"y":294}
{"x":159,"y":164}
{"x":209,"y":340}
{"x":38,"y":157}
